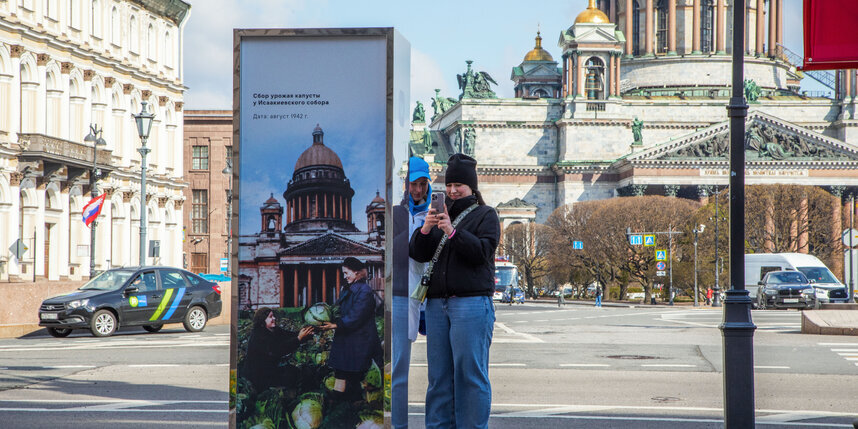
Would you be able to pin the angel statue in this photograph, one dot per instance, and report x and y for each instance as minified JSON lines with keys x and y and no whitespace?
{"x":475,"y":85}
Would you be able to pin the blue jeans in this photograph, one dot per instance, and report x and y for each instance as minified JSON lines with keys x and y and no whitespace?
{"x":598,"y":300}
{"x":401,"y":361}
{"x":458,"y":336}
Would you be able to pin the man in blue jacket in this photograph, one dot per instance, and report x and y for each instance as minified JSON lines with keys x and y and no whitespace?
{"x":407,"y":217}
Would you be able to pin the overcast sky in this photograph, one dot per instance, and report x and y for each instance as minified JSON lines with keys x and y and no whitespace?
{"x":443,"y":34}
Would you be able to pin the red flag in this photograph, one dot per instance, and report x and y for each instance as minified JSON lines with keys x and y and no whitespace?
{"x":92,"y":209}
{"x":828,"y":39}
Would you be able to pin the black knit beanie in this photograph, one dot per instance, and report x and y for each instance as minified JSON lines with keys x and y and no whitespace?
{"x":462,"y":168}
{"x":353,"y":264}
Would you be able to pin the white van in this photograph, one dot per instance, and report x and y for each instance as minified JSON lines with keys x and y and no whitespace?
{"x":828,"y":288}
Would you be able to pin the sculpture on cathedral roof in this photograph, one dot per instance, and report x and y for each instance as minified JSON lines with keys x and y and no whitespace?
{"x":469,"y":141}
{"x":441,"y":104}
{"x":475,"y":85}
{"x":419,"y":114}
{"x":752,"y":91}
{"x":637,"y":126}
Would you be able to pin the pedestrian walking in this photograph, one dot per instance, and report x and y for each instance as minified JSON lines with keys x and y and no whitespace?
{"x":460,"y":314}
{"x":408,"y":216}
{"x":598,"y":296}
{"x":709,"y":294}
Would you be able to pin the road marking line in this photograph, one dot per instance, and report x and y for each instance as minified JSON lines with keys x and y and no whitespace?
{"x":68,"y":366}
{"x":770,"y":367}
{"x":508,"y":364}
{"x":838,"y":344}
{"x":541,"y":320}
{"x":153,"y":365}
{"x":419,"y":364}
{"x":113,"y":401}
{"x":845,"y":350}
{"x":851,"y":358}
{"x":116,"y":410}
{"x":668,"y":365}
{"x":602,"y":365}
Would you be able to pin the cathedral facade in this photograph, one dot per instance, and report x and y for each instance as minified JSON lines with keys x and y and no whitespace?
{"x":295,"y":258}
{"x":635,"y":104}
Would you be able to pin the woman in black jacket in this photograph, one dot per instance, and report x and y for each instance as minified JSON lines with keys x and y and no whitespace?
{"x":356,"y":342}
{"x":268,"y":345}
{"x":460,"y":314}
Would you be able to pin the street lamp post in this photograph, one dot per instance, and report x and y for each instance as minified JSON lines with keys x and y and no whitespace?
{"x":144,"y":125}
{"x":696,"y":231}
{"x":716,"y":292}
{"x":228,"y":171}
{"x":94,"y":137}
{"x":737,"y":328}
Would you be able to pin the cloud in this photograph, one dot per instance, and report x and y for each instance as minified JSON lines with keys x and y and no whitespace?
{"x":426,"y":75}
{"x":209,"y":40}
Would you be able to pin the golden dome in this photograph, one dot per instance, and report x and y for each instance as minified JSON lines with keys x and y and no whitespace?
{"x":591,"y":15}
{"x":318,"y":153}
{"x":538,"y":54}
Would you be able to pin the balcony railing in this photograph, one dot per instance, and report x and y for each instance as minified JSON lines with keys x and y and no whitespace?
{"x":62,"y":151}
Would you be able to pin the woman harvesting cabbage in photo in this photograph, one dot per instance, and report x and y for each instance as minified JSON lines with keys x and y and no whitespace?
{"x":268,"y":344}
{"x":356,"y":343}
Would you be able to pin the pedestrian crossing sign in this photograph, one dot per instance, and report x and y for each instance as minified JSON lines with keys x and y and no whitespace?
{"x":661,"y":255}
{"x":649,"y":240}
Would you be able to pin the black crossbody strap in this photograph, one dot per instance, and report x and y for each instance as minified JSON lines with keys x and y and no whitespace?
{"x":420,"y":292}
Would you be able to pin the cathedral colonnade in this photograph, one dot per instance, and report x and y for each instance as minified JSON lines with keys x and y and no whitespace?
{"x":681,"y":27}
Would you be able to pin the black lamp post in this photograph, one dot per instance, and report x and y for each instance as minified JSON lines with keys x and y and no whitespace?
{"x":228,"y":172}
{"x":697,"y":230}
{"x":144,"y":125}
{"x":737,"y":328}
{"x":93,"y":137}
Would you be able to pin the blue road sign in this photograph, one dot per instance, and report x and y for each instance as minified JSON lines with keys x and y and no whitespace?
{"x":635,"y":240}
{"x":660,"y":265}
{"x":661,"y":255}
{"x":578,"y":245}
{"x":649,"y":240}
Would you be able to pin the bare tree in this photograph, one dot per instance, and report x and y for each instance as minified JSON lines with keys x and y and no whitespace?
{"x":527,"y":247}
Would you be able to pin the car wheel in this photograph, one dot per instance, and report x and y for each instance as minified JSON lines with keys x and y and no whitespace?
{"x":152,"y":328}
{"x":195,"y":319}
{"x":103,"y":323}
{"x":59,"y":332}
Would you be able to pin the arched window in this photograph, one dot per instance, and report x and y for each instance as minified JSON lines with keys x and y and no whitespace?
{"x":168,"y":50}
{"x":95,"y":17}
{"x":595,"y":85}
{"x":74,"y":14}
{"x":134,"y":34}
{"x":707,"y":25}
{"x":661,"y":27}
{"x":151,"y":42}
{"x":115,"y":28}
{"x":540,"y":93}
{"x":636,"y":28}
{"x":52,"y":105}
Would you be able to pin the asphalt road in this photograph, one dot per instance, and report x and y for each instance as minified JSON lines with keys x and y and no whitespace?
{"x":652,"y":367}
{"x":134,"y":379}
{"x":575,"y":367}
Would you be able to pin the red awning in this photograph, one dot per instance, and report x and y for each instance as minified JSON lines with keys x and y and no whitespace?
{"x":830,"y":40}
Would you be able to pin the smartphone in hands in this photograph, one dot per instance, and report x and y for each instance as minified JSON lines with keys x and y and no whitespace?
{"x":437,"y":202}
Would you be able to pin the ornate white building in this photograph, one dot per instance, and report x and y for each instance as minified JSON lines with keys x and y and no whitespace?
{"x":66,"y":64}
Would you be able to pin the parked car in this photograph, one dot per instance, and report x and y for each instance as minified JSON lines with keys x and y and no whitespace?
{"x":827,"y":287}
{"x":134,"y":296}
{"x":785,"y":289}
{"x":513,"y":294}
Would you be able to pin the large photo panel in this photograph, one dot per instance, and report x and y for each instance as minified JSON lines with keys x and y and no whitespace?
{"x":314,"y":123}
